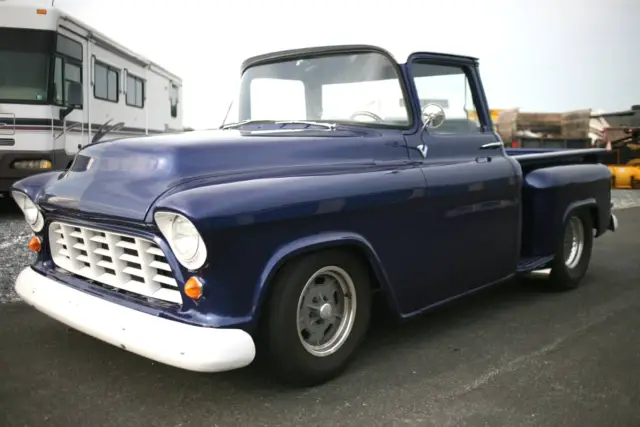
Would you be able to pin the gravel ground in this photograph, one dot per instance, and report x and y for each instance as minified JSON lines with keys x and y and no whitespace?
{"x":14,"y":255}
{"x":513,"y":356}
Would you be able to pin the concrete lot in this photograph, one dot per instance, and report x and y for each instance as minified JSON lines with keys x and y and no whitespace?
{"x":512,"y":356}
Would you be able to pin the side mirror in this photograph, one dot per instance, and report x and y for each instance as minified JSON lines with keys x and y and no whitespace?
{"x":74,"y":98}
{"x":74,"y":94}
{"x":432,"y":116}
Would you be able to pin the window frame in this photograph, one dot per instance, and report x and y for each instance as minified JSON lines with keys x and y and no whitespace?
{"x":142,"y":85}
{"x":467,"y":72}
{"x":108,"y":67}
{"x":65,"y":58}
{"x":468,"y":68}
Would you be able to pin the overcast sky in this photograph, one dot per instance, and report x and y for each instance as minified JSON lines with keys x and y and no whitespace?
{"x":539,"y":55}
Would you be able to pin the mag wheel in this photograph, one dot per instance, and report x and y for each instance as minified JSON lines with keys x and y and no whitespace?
{"x":316,"y":317}
{"x":573,"y":253}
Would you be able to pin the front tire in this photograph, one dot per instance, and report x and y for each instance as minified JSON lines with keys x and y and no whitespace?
{"x":316,"y":317}
{"x":573,"y":253}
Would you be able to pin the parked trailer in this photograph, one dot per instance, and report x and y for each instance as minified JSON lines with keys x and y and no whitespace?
{"x":63,"y":85}
{"x":621,"y":136}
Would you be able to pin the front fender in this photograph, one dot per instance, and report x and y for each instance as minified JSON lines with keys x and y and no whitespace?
{"x":33,"y":185}
{"x":316,"y":242}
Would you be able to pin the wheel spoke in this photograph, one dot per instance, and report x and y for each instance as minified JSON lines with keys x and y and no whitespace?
{"x":326,"y":311}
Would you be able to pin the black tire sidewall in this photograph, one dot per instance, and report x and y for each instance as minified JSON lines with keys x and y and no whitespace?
{"x":286,"y":354}
{"x":563,"y":277}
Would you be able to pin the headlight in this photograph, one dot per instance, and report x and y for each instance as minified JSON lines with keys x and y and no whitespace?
{"x":31,"y":212}
{"x":184,"y":239}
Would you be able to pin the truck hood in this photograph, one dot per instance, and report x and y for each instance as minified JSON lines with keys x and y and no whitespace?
{"x":123,"y":178}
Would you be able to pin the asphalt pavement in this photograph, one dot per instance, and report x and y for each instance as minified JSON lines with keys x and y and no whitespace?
{"x":515,"y":355}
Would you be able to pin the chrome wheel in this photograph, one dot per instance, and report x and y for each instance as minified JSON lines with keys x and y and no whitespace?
{"x":326,"y":311}
{"x":573,"y":242}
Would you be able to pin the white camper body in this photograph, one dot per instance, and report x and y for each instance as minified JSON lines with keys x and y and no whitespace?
{"x":42,"y":52}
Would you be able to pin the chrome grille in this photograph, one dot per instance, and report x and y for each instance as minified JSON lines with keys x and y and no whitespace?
{"x":124,"y":262}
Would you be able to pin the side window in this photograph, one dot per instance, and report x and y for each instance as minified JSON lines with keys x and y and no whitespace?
{"x":67,"y":67}
{"x":447,"y":86}
{"x":58,"y":82}
{"x":173,"y":99}
{"x":106,"y":80}
{"x":135,"y":91}
{"x":72,"y":73}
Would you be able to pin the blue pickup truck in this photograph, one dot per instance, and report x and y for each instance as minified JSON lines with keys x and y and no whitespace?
{"x":339,"y":173}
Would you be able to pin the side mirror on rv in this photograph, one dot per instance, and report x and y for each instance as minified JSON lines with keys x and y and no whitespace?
{"x":74,"y":94}
{"x":74,"y":98}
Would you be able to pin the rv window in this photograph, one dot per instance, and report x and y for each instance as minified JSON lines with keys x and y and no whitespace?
{"x":58,"y":82}
{"x":24,"y":65}
{"x":289,"y":93}
{"x":106,"y":82}
{"x":72,"y":73}
{"x":135,"y":91}
{"x":173,"y":99}
{"x":68,"y":47}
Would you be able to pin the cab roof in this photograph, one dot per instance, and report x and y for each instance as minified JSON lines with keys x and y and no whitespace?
{"x":320,"y":50}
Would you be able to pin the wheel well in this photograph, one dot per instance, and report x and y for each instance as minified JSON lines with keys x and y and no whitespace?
{"x":353,"y":248}
{"x":595,"y":218}
{"x":350,"y":247}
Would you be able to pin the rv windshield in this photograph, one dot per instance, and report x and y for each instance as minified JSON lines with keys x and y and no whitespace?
{"x":353,"y":88}
{"x":24,"y":64}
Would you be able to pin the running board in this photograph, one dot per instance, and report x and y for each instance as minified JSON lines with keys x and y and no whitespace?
{"x":533,"y":263}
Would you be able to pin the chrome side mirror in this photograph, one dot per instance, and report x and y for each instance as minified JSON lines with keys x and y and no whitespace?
{"x":432,"y":116}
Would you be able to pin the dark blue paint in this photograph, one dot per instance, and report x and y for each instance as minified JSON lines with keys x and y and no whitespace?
{"x":432,"y":229}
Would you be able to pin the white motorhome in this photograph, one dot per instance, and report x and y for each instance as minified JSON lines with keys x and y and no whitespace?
{"x":61,"y":81}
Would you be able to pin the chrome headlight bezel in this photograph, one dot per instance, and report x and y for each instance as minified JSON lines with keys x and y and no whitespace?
{"x":32,"y":214}
{"x":183,"y":237}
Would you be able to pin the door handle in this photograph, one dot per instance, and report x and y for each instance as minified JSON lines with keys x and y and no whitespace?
{"x":491,"y":145}
{"x":483,"y":159}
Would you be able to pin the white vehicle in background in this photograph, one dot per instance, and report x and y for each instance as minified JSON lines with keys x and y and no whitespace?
{"x":64,"y":85}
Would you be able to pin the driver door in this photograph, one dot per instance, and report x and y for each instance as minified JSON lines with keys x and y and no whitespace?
{"x":472,"y":223}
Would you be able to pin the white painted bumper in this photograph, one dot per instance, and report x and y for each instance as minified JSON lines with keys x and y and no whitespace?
{"x":177,"y":344}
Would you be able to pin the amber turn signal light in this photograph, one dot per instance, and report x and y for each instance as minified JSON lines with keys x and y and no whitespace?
{"x":35,"y":244}
{"x":193,"y":288}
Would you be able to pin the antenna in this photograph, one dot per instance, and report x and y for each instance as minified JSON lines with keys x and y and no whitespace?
{"x":52,"y":2}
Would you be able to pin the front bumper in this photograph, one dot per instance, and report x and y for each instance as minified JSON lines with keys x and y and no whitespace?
{"x":189,"y":347}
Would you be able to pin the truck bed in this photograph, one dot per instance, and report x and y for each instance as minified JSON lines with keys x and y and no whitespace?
{"x":533,"y":157}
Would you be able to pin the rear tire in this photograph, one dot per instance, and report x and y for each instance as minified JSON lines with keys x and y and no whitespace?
{"x":323,"y":291}
{"x":573,"y":253}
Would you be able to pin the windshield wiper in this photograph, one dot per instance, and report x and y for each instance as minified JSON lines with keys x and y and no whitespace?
{"x":330,"y":126}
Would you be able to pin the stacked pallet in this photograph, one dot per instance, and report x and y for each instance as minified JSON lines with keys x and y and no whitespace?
{"x":512,"y":123}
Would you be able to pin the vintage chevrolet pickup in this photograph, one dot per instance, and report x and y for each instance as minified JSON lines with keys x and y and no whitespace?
{"x":340,"y":172}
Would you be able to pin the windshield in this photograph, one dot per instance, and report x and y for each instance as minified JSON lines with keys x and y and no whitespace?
{"x":24,"y":64}
{"x":340,"y":88}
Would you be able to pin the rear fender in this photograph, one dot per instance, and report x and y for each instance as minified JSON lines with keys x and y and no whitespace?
{"x":313,"y":243}
{"x":551,"y":194}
